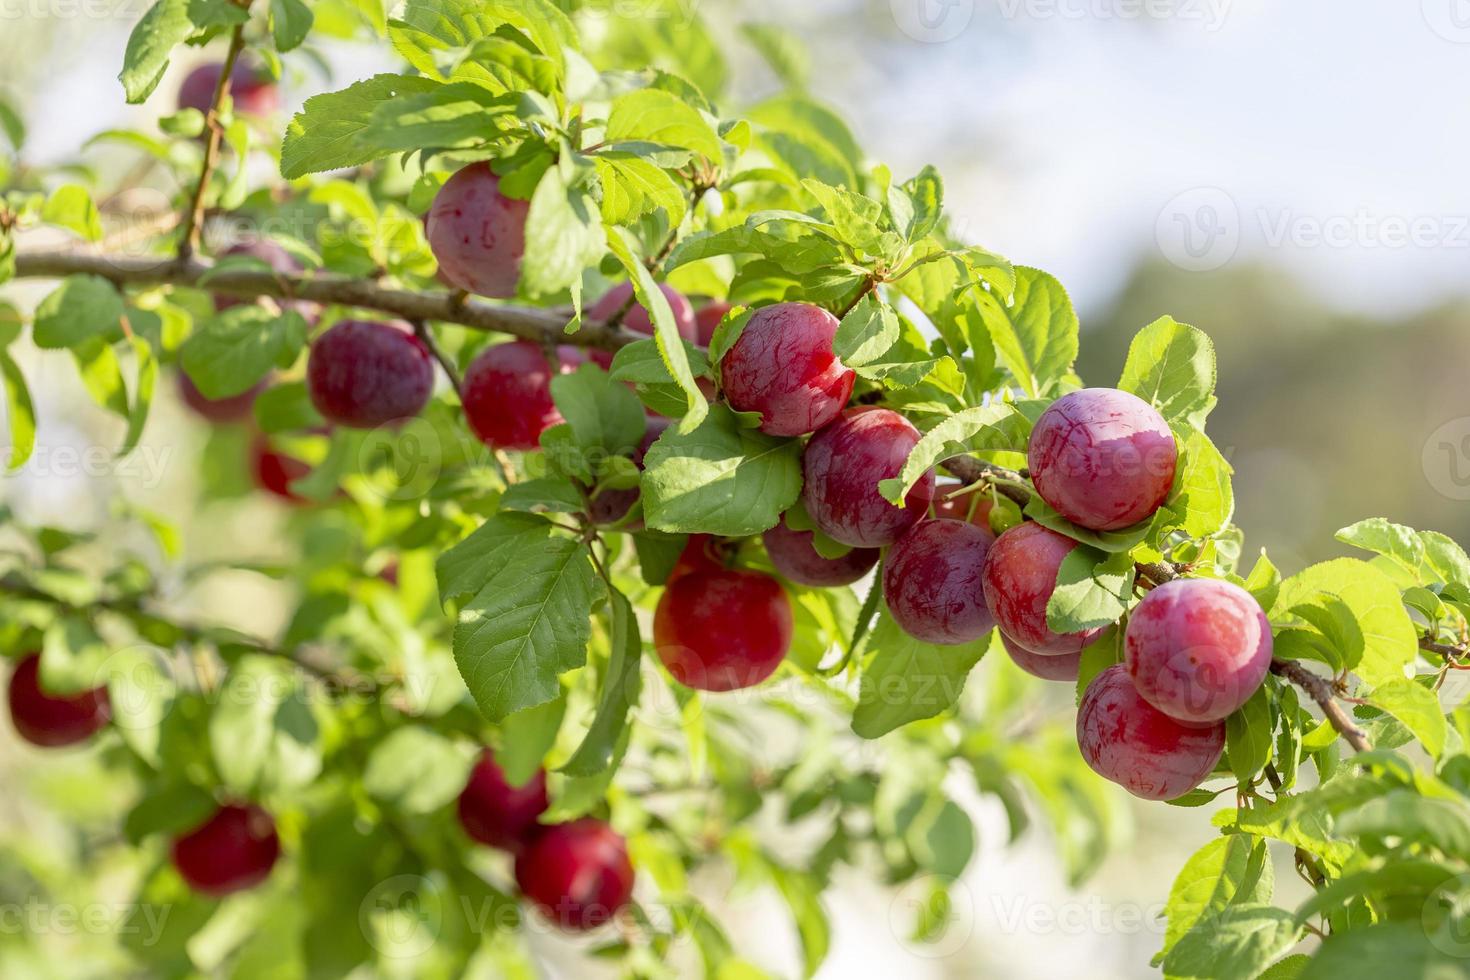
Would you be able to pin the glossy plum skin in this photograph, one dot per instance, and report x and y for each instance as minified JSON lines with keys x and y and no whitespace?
{"x":477,"y":234}
{"x":1129,"y":741}
{"x":1104,"y":459}
{"x":496,"y":813}
{"x":1048,"y":668}
{"x":783,"y":367}
{"x":611,"y":506}
{"x":363,"y":374}
{"x":722,"y":629}
{"x":1019,"y":579}
{"x":233,"y":850}
{"x":507,"y":393}
{"x":931,"y":582}
{"x":52,"y":720}
{"x":274,"y":471}
{"x":1198,"y":648}
{"x":236,"y":408}
{"x":577,"y":873}
{"x":797,"y":560}
{"x":974,"y":506}
{"x":637,"y":318}
{"x":252,"y":90}
{"x":842,"y":465}
{"x":707,"y":319}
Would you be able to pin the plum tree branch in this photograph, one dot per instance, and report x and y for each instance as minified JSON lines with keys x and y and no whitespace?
{"x":193,"y":225}
{"x":1320,"y":689}
{"x":527,"y":323}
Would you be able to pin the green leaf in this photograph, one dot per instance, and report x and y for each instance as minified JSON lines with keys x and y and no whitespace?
{"x":923,"y":198}
{"x":1386,"y":949}
{"x":621,"y":685}
{"x":1428,"y":556}
{"x":1403,"y":815}
{"x":1390,"y":642}
{"x":70,"y":206}
{"x":526,"y":627}
{"x":415,"y":770}
{"x":782,"y":50}
{"x":1235,"y":868}
{"x":12,"y":125}
{"x":1035,"y":332}
{"x":1093,"y":588}
{"x":1171,"y":366}
{"x":604,"y":416}
{"x":261,"y":734}
{"x":671,"y":345}
{"x":466,"y":568}
{"x":1417,"y":707}
{"x":1202,"y":497}
{"x":641,"y":364}
{"x":286,"y":407}
{"x":989,"y":427}
{"x":720,"y":479}
{"x":655,"y":116}
{"x":80,"y":308}
{"x":908,"y":680}
{"x":803,"y":896}
{"x":1248,"y":736}
{"x":866,"y":333}
{"x":564,"y":235}
{"x":856,"y":218}
{"x":101,"y":373}
{"x":1236,"y":943}
{"x":1264,"y":581}
{"x":291,"y":21}
{"x":633,"y":187}
{"x":228,"y":354}
{"x":165,"y":25}
{"x":331,"y":131}
{"x":20,"y":412}
{"x":525,"y":738}
{"x":142,"y":393}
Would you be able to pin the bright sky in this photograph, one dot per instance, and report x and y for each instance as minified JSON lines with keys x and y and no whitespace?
{"x":1328,"y":136}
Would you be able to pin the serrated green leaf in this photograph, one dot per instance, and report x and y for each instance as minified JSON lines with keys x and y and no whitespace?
{"x":1236,"y":943}
{"x":1390,"y":642}
{"x":1248,"y":738}
{"x":330,"y":132}
{"x":1034,"y":331}
{"x":1093,"y":589}
{"x":20,"y":412}
{"x":989,"y":427}
{"x":658,"y":117}
{"x":230,"y":353}
{"x":671,"y":345}
{"x":722,"y":478}
{"x":907,"y":680}
{"x":165,"y":25}
{"x":82,"y":307}
{"x":1231,"y":869}
{"x":1417,"y":707}
{"x":1171,"y":366}
{"x":526,"y":627}
{"x":621,"y":685}
{"x":71,"y":207}
{"x":291,"y":21}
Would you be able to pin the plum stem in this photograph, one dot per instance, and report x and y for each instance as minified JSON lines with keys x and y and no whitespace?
{"x":193,"y":222}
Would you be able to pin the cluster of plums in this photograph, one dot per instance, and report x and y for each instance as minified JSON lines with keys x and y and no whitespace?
{"x":577,"y":873}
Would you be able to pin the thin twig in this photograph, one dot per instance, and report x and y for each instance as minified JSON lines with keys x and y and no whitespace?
{"x":194,"y":214}
{"x":451,"y":371}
